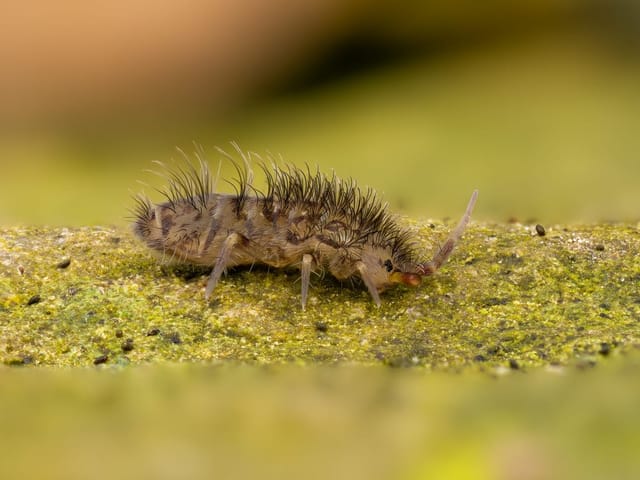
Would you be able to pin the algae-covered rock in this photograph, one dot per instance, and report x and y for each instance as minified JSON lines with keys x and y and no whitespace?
{"x":511,"y":296}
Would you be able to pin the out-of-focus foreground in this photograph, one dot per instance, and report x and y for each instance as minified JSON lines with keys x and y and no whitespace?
{"x":201,"y":422}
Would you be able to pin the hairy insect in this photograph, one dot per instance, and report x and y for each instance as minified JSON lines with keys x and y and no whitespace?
{"x":304,"y":220}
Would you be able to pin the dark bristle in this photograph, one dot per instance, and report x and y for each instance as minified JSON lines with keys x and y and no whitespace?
{"x":187,"y":183}
{"x":241,"y":186}
{"x":325,"y":199}
{"x":142,"y":207}
{"x":331,"y":198}
{"x":141,"y":214}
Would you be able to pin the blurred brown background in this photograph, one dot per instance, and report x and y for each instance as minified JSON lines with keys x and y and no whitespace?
{"x":535,"y":102}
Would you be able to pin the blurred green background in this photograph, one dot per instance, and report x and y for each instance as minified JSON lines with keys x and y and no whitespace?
{"x":535,"y":102}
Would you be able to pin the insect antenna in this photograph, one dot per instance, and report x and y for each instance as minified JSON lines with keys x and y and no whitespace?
{"x":430,"y":267}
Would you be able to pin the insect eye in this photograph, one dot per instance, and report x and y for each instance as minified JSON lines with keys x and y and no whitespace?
{"x":389,"y":265}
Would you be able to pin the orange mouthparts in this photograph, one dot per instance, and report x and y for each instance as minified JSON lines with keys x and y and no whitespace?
{"x":410,"y":279}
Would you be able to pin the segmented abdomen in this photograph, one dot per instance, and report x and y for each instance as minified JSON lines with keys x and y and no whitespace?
{"x":186,"y":233}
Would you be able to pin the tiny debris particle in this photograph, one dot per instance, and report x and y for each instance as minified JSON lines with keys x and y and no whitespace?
{"x":153,"y":332}
{"x":540,"y":230}
{"x":479,"y":358}
{"x":174,"y":337}
{"x":34,"y":299}
{"x":321,"y":327}
{"x":599,"y":247}
{"x":101,"y":359}
{"x":127,"y":345}
{"x":513,"y":364}
{"x":119,"y":333}
{"x":605,"y":349}
{"x":63,"y":264}
{"x":492,"y":350}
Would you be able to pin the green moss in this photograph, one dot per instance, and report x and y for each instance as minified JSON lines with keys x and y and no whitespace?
{"x":508,"y":298}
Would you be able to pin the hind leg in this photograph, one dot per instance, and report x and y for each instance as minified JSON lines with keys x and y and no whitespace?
{"x":221,"y":263}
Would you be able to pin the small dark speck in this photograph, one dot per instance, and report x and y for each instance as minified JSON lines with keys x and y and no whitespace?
{"x":119,"y":333}
{"x":63,"y":264}
{"x":115,"y":240}
{"x":493,"y":301}
{"x":513,"y":364}
{"x":153,"y":332}
{"x":174,"y":338}
{"x":321,"y":327}
{"x":605,"y":349}
{"x":35,"y":299}
{"x":540,"y":230}
{"x":479,"y":358}
{"x":599,"y":247}
{"x":101,"y":359}
{"x":493,"y":349}
{"x":127,"y":345}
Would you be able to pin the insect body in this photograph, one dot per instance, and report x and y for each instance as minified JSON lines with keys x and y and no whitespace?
{"x":304,"y":220}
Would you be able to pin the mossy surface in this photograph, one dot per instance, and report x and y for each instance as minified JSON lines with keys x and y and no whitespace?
{"x":164,"y":385}
{"x":508,"y":298}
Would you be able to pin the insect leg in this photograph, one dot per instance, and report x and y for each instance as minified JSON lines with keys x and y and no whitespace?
{"x":221,"y":262}
{"x":362,"y":268}
{"x":307,"y":261}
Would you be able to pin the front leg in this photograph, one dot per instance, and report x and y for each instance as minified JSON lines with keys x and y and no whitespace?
{"x":221,"y":262}
{"x":368,"y":281}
